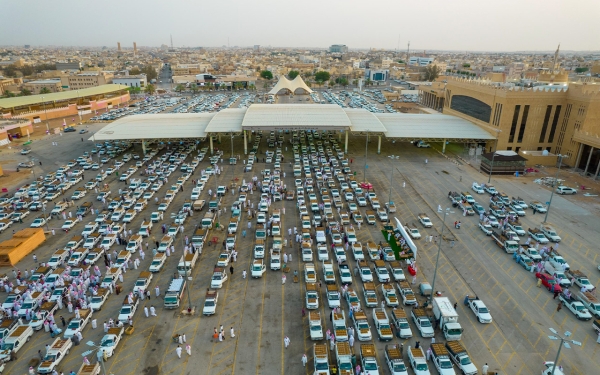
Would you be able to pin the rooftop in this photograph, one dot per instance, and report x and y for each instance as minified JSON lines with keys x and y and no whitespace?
{"x":20,"y":101}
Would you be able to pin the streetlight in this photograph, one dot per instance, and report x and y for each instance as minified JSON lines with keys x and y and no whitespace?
{"x":493,"y":157}
{"x":99,"y":350}
{"x":437,"y":260}
{"x":186,"y":272}
{"x":46,"y":112}
{"x":366,"y":151}
{"x":563,"y":341}
{"x":37,"y":187}
{"x":560,"y":158}
{"x":77,"y":106}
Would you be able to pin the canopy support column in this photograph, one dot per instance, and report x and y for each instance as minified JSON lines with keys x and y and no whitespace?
{"x":245,"y":144}
{"x":346,"y":142}
{"x":211,"y":144}
{"x":144,"y":147}
{"x":219,"y":138}
{"x":579,"y":156}
{"x":339,"y":136}
{"x":379,"y":145}
{"x":444,"y":147}
{"x":588,"y":162}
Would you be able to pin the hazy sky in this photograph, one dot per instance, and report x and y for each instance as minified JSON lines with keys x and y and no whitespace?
{"x":501,"y":25}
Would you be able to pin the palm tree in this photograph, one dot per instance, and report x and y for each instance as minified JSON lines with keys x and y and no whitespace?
{"x":25,"y":92}
{"x":194,"y":88}
{"x":252,"y":87}
{"x":209,"y":85}
{"x":368,"y":82}
{"x":179,"y":88}
{"x":355,"y":82}
{"x":45,"y":90}
{"x":9,"y":94}
{"x":150,"y":89}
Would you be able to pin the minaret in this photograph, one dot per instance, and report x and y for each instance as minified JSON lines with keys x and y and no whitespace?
{"x":555,"y":64}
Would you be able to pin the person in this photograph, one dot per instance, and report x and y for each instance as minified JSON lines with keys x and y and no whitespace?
{"x":305,"y":359}
{"x":484,"y":369}
{"x":286,"y":341}
{"x":178,"y":351}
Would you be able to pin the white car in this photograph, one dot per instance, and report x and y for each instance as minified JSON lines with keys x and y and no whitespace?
{"x":69,"y":224}
{"x":481,"y":311}
{"x":486,"y":228}
{"x":477,"y":188}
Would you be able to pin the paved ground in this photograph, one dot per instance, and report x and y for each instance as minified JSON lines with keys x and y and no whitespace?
{"x":263,"y":311}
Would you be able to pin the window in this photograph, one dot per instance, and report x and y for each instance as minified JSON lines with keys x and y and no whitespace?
{"x":540,"y":148}
{"x":554,"y":124}
{"x":471,"y":107}
{"x":545,"y":124}
{"x":513,"y":128}
{"x":509,"y":148}
{"x":517,"y":149}
{"x":523,"y":124}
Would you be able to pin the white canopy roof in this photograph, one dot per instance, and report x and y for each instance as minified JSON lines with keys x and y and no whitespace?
{"x":284,"y":83}
{"x":295,"y":116}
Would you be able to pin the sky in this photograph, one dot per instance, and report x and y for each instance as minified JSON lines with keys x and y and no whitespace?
{"x":457,"y":25}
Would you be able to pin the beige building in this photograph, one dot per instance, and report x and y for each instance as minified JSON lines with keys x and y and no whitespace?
{"x":10,"y":84}
{"x":561,"y":118}
{"x":190,"y":69}
{"x":86,"y":80}
{"x":53,"y":85}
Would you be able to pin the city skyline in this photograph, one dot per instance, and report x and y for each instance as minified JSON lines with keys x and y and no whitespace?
{"x":436,"y":25}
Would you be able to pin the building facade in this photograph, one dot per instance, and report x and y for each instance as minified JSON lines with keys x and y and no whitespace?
{"x":131,"y":81}
{"x":71,"y":65}
{"x":53,"y":85}
{"x":86,"y":80}
{"x":562,"y":119}
{"x":338,"y":48}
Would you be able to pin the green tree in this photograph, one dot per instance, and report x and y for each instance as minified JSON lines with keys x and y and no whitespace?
{"x":9,"y":94}
{"x":41,"y":67}
{"x":331,"y":83}
{"x":368,"y":82}
{"x":432,"y":71}
{"x":355,"y":82}
{"x":150,"y":72}
{"x":26,"y":70}
{"x":322,"y":76}
{"x":10,"y":71}
{"x":25,"y":92}
{"x":293,"y":74}
{"x":266,"y":74}
{"x":45,"y":90}
{"x":135,"y":71}
{"x":341,"y":81}
{"x":265,"y":86}
{"x":194,"y":88}
{"x":210,"y":85}
{"x":252,"y":87}
{"x":134,"y":90}
{"x":466,"y":65}
{"x":150,"y":89}
{"x":179,"y":88}
{"x":581,"y":70}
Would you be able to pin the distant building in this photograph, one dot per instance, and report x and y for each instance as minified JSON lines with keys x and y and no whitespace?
{"x":71,"y":65}
{"x":131,"y":81}
{"x":338,"y":48}
{"x":85,"y":80}
{"x":53,"y":85}
{"x":257,"y":47}
{"x":420,"y":61}
{"x":377,"y":75}
{"x":190,"y":69}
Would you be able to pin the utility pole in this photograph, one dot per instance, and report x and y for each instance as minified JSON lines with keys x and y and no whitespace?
{"x":564,"y":342}
{"x":366,"y":152}
{"x":37,"y":187}
{"x":560,"y":158}
{"x":437,"y":259}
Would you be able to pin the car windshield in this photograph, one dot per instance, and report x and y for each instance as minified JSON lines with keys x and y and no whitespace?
{"x":107,"y":343}
{"x":370,"y":366}
{"x":483,"y":310}
{"x":421,"y":366}
{"x":73,"y":325}
{"x":465,"y":361}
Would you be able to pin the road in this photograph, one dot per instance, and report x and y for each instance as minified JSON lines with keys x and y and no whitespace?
{"x":263,"y":311}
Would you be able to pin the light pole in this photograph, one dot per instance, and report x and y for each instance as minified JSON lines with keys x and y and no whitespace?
{"x":46,"y":113}
{"x":99,"y":350}
{"x":437,"y":260}
{"x":37,"y":187}
{"x":390,"y":193}
{"x":77,"y":106}
{"x":560,"y":158}
{"x":186,"y":273}
{"x":493,"y":157}
{"x":563,"y":341}
{"x":366,"y":151}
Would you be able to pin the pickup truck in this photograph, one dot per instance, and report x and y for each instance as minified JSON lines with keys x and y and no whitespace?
{"x":490,"y":189}
{"x":321,"y":359}
{"x":397,"y":271}
{"x":365,"y":272}
{"x":109,"y":342}
{"x":486,"y":228}
{"x":412,"y":231}
{"x":441,"y":359}
{"x":312,"y":296}
{"x":382,"y":324}
{"x":370,"y":217}
{"x":54,"y":355}
{"x":558,"y":261}
{"x":210,"y":302}
{"x":174,"y":293}
{"x":361,"y":325}
{"x":400,"y":323}
{"x":538,"y":207}
{"x":370,"y":294}
{"x":581,"y":280}
{"x":339,"y":326}
{"x":315,"y":325}
{"x":590,"y":302}
{"x":389,"y":295}
{"x":576,"y":307}
{"x":418,"y":361}
{"x":477,"y":188}
{"x":76,"y":324}
{"x":218,"y":278}
{"x":460,"y":356}
{"x":422,"y":321}
{"x":504,"y":243}
{"x":99,"y":299}
{"x":516,"y":227}
{"x":537,"y":235}
{"x":408,"y":295}
{"x":425,"y":221}
{"x":352,"y":299}
{"x":393,"y":358}
{"x":328,"y":273}
{"x":158,"y":262}
{"x":142,"y":283}
{"x":550,"y":233}
{"x":368,"y":359}
{"x":480,"y":310}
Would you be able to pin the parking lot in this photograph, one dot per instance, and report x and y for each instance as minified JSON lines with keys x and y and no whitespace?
{"x":264,"y":311}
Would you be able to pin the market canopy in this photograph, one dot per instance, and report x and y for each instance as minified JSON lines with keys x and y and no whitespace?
{"x":286,"y":84}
